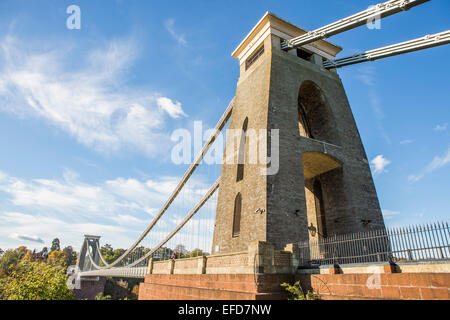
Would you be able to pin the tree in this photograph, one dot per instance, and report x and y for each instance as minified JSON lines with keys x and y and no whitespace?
{"x":55,"y":245}
{"x":35,"y":281}
{"x":11,"y":258}
{"x":43,"y":254}
{"x":70,"y":256}
{"x":195,"y":253}
{"x":21,"y":251}
{"x":107,"y":252}
{"x":28,"y":257}
{"x":296,"y":292}
{"x":180,"y":251}
{"x":57,"y":258}
{"x":135,"y":291}
{"x":101,"y":296}
{"x":107,"y":247}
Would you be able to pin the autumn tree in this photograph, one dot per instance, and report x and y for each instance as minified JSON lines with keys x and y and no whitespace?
{"x":135,"y":291}
{"x":56,"y":258}
{"x":11,"y":258}
{"x":35,"y":281}
{"x":28,"y":257}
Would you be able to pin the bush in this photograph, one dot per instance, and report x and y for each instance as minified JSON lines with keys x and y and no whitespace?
{"x":35,"y":281}
{"x":101,"y":296}
{"x":296,"y":292}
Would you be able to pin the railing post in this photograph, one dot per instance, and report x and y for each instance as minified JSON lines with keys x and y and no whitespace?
{"x":409,"y":255}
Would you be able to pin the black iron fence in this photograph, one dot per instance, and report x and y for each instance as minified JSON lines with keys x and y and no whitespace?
{"x":414,"y":243}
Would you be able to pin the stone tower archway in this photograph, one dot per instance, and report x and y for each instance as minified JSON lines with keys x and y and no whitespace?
{"x":315,"y":118}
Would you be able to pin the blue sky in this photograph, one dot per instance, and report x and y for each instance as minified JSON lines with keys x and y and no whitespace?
{"x":86,"y":115}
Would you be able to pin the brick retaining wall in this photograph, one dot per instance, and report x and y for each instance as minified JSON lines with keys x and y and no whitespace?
{"x":404,"y":286}
{"x":212,"y":287}
{"x":258,"y":273}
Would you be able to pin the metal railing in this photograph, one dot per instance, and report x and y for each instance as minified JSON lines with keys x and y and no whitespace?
{"x":429,"y":242}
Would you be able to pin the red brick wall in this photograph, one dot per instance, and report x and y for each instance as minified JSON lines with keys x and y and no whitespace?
{"x":212,"y":287}
{"x":424,"y":286}
{"x":405,"y":286}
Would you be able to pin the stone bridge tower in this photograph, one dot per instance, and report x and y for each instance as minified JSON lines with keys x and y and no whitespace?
{"x":323,"y":185}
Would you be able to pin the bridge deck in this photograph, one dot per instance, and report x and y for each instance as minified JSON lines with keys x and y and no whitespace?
{"x":139,"y":272}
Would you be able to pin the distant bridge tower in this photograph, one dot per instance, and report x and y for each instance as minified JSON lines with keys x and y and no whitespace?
{"x":90,"y":245}
{"x":324,"y":185}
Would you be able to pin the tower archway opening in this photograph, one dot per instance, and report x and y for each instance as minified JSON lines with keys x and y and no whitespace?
{"x":241,"y":152}
{"x":237,"y":215}
{"x":315,"y":165}
{"x":315,"y":119}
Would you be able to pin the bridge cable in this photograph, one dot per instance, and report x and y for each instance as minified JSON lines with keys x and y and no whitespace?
{"x":379,"y":11}
{"x":425,"y":42}
{"x":194,"y":210}
{"x":216,"y":131}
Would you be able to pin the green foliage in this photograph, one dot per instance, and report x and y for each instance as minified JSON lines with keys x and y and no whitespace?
{"x":43,"y":253}
{"x":10,"y":259}
{"x":195,"y":253}
{"x":296,"y":292}
{"x":35,"y":281}
{"x":109,"y":254}
{"x":122,"y":289}
{"x":70,"y":256}
{"x":100,"y":296}
{"x":55,"y":245}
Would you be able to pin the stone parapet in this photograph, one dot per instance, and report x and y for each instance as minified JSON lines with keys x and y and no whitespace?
{"x":260,"y":258}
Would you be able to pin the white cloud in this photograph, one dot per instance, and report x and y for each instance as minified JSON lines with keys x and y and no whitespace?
{"x":379,"y":164}
{"x":3,"y":176}
{"x":408,"y":141}
{"x":75,"y":199}
{"x":436,"y":163}
{"x":125,"y":219}
{"x":366,"y":74}
{"x":92,"y":102}
{"x":117,"y":209}
{"x":173,"y":109}
{"x":169,"y":24}
{"x":441,"y":127}
{"x":388,"y":214}
{"x":46,"y":228}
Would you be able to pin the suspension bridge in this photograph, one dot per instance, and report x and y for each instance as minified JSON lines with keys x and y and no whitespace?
{"x":185,"y":224}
